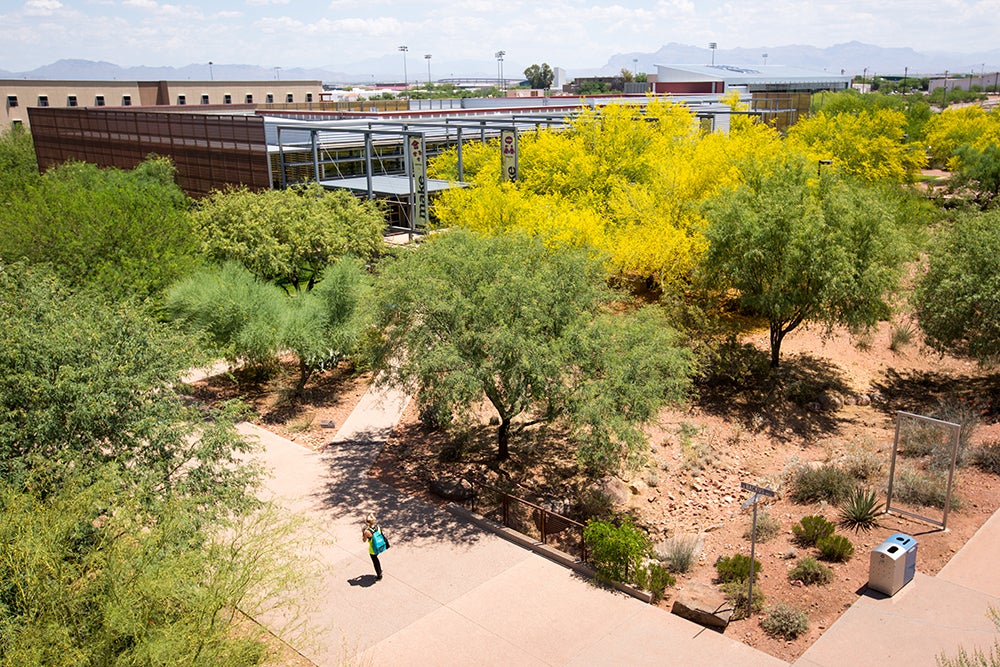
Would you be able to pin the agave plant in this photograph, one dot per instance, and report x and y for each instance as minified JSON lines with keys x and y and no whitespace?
{"x":861,"y":510}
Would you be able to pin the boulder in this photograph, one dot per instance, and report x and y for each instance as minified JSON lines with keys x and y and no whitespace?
{"x":704,"y":605}
{"x":451,"y":489}
{"x":615,"y":490}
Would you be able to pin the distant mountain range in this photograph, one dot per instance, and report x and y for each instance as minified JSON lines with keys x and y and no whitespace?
{"x":851,"y":58}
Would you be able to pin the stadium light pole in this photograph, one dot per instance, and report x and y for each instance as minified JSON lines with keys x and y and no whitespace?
{"x":404,"y":49}
{"x":499,"y":56}
{"x":211,"y":75}
{"x":427,"y":56}
{"x":712,"y":46}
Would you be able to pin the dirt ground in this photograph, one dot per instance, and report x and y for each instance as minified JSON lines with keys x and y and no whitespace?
{"x":833,"y":398}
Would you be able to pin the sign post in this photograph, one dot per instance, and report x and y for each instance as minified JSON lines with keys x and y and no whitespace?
{"x":758,"y":491}
{"x":508,"y":146}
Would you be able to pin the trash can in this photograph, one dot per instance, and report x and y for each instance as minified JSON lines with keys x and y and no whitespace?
{"x":893,"y":564}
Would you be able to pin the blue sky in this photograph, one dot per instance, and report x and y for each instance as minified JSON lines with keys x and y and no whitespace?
{"x":566,"y":33}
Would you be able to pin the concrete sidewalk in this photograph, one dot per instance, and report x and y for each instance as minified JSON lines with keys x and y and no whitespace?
{"x":453,"y":594}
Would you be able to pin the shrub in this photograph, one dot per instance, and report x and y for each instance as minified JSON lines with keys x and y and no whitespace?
{"x":918,"y":488}
{"x":617,"y":552}
{"x":767,"y":527}
{"x":736,"y":568}
{"x":736,"y":593}
{"x":987,"y":458}
{"x":828,"y":482}
{"x":656,"y":579}
{"x":861,"y":510}
{"x":864,"y":465}
{"x":811,"y":529}
{"x":810,"y":571}
{"x":836,"y":548}
{"x":783,"y":620}
{"x":679,"y":552}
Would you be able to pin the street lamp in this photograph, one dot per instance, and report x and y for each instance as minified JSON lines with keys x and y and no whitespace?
{"x":764,"y":56}
{"x":211,"y":76}
{"x":277,"y":73}
{"x":427,"y":56}
{"x":635,"y":67}
{"x":404,"y":49}
{"x":713,"y":46}
{"x":499,"y":56}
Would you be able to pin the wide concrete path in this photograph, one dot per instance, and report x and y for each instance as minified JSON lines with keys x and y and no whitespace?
{"x":452,"y":593}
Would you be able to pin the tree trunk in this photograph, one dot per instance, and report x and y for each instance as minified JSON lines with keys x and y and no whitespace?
{"x":776,"y":336}
{"x":305,"y":372}
{"x":503,"y":437}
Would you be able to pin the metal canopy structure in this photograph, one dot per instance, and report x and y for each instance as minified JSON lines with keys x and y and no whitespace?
{"x":387,"y":159}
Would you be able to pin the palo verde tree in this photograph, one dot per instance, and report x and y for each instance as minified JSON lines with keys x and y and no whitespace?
{"x":539,"y":76}
{"x":122,"y":233}
{"x":288,"y":236}
{"x":958,"y":298}
{"x":249,"y":320}
{"x":467,"y":316}
{"x":796,"y":248}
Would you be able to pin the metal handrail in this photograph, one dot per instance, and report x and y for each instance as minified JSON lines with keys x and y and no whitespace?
{"x":546,"y":516}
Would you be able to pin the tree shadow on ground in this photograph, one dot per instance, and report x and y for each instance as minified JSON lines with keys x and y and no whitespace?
{"x":350,"y":490}
{"x":792,"y":400}
{"x":939,"y":395}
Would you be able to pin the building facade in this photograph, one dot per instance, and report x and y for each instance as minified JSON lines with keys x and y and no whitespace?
{"x":20,"y":94}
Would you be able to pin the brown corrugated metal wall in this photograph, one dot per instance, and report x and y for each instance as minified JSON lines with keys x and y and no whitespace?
{"x":209,"y":151}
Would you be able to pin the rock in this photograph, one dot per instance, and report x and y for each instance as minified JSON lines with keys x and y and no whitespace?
{"x":704,"y":605}
{"x":863,"y":400}
{"x":615,"y":490}
{"x":451,"y":489}
{"x":790,"y":554}
{"x":637,"y":488}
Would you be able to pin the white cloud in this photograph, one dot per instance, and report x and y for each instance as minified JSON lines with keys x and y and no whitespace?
{"x":41,"y":7}
{"x":262,"y":3}
{"x":140,"y":4}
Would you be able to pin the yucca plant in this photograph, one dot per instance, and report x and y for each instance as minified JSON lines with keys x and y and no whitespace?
{"x":861,"y":510}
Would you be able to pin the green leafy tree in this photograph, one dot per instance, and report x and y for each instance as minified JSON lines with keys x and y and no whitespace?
{"x":123,"y":233}
{"x":539,"y":76}
{"x":617,"y":552}
{"x":979,"y":172}
{"x":88,"y":383}
{"x":18,"y":168}
{"x":797,"y":250}
{"x":247,"y":319}
{"x":957,"y":300}
{"x":289,"y":236}
{"x":466,"y":316}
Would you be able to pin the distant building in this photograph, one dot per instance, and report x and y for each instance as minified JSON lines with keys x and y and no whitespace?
{"x":20,"y":94}
{"x":990,"y":81}
{"x":783,"y":91}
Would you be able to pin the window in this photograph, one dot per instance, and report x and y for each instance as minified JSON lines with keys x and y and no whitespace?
{"x":289,"y":98}
{"x":43,"y":100}
{"x":182,"y":99}
{"x":126,"y":100}
{"x":270,"y":98}
{"x":17,"y":123}
{"x":249,"y":98}
{"x":204,"y":99}
{"x":309,"y":97}
{"x":12,"y":100}
{"x":71,"y":101}
{"x":99,"y":100}
{"x":227,"y":99}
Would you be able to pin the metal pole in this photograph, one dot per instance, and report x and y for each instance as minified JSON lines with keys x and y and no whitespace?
{"x":753,"y":544}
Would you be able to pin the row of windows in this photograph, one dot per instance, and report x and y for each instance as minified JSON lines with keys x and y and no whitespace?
{"x":71,"y":100}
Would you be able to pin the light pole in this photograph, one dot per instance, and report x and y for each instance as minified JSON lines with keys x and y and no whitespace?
{"x":864,"y":77}
{"x":764,"y":56}
{"x":906,"y":70}
{"x":211,"y":76}
{"x":499,"y":56}
{"x":712,"y":47}
{"x":404,"y":49}
{"x":277,"y":73}
{"x":427,"y":56}
{"x":635,"y":67}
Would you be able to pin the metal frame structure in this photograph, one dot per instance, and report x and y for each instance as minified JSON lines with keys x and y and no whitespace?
{"x":956,"y":431}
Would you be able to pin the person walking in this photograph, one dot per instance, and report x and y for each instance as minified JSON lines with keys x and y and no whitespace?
{"x":372,"y":534}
